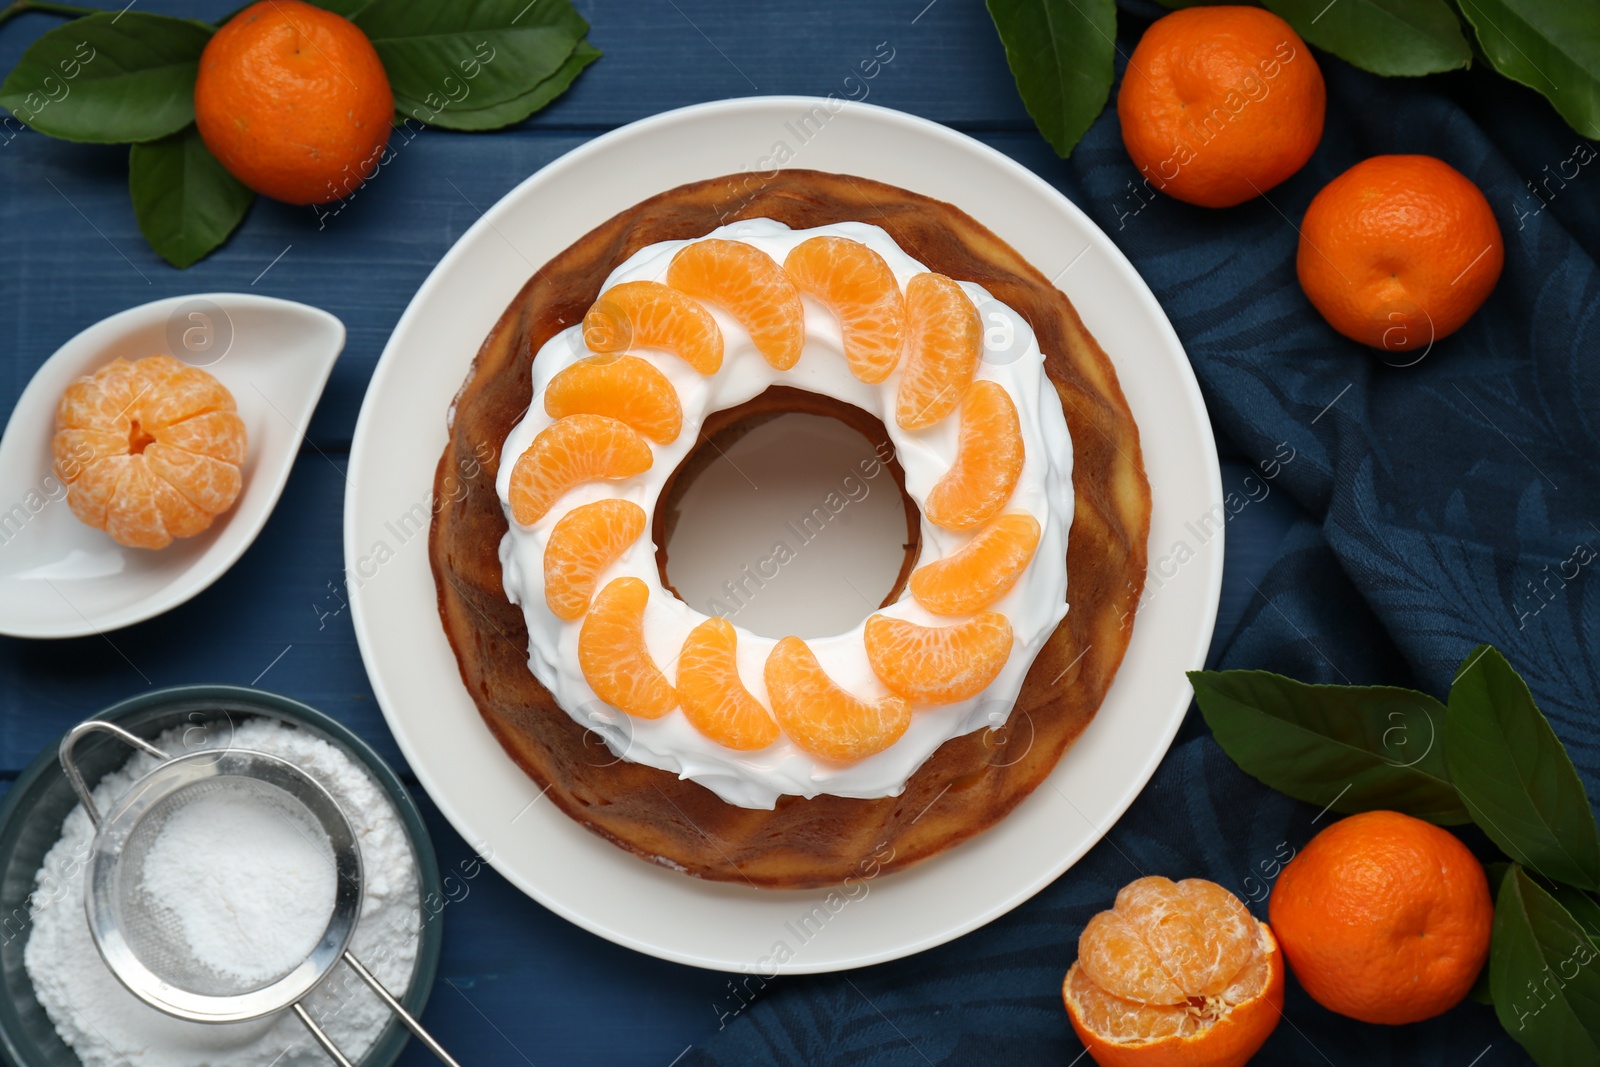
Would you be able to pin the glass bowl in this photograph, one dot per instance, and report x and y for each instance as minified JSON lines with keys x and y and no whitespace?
{"x":30,"y":823}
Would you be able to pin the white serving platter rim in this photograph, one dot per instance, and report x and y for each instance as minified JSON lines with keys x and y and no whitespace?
{"x":727,"y":926}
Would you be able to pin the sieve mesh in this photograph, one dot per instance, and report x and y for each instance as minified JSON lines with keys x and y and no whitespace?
{"x":154,"y":925}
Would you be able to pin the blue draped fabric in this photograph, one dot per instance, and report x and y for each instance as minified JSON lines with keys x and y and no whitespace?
{"x":1446,"y":503}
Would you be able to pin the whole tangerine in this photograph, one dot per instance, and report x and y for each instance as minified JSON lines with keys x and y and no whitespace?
{"x":1175,"y":974}
{"x":1384,"y":918}
{"x":1399,"y":251}
{"x":294,"y":102}
{"x":1220,"y":104}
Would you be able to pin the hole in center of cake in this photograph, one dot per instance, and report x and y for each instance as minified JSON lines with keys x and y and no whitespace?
{"x":788,"y":517}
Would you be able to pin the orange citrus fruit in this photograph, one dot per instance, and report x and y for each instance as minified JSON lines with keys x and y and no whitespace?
{"x":625,"y":388}
{"x":1220,"y":104}
{"x":944,"y":342}
{"x":822,"y":718}
{"x":1399,"y":251}
{"x":613,"y":656}
{"x":749,"y":285}
{"x":651,"y":315}
{"x":149,"y":450}
{"x":1384,"y":918}
{"x":854,"y":283}
{"x":714,"y":700}
{"x":569,"y":452}
{"x":938,"y":664}
{"x":586,"y":541}
{"x":293,"y":101}
{"x":1175,"y":974}
{"x":981,"y":571}
{"x":988,"y":462}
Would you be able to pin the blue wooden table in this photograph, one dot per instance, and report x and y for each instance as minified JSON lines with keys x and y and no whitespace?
{"x":517,"y":984}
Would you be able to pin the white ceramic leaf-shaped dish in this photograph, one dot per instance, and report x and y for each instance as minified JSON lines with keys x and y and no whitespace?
{"x":61,"y":578}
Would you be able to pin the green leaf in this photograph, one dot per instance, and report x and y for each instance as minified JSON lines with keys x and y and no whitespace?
{"x":1060,"y":56}
{"x":1580,"y":905}
{"x":1551,"y":46}
{"x":186,"y":203}
{"x":1544,"y":975}
{"x":1352,"y":748}
{"x":1387,"y":37}
{"x":497,"y":115}
{"x":470,"y":54}
{"x":111,"y":78}
{"x":1514,"y":775}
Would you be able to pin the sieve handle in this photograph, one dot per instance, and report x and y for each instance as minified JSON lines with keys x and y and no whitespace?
{"x":322,"y":1038}
{"x":70,"y":766}
{"x":396,"y":1007}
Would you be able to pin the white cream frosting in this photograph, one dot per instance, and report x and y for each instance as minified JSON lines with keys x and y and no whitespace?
{"x":1035,"y":605}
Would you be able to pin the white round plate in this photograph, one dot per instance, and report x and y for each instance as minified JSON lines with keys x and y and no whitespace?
{"x":60,"y":578}
{"x":733,"y":927}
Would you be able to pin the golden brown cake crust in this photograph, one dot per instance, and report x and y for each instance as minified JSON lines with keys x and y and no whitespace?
{"x":971,"y":781}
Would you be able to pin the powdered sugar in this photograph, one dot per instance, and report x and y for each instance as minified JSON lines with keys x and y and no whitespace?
{"x":105,"y":1025}
{"x":248,"y":882}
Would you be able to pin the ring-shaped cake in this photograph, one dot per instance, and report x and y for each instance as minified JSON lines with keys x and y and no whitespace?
{"x":718,"y":752}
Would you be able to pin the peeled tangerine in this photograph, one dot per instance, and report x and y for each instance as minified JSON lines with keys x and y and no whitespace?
{"x":821,"y":717}
{"x":149,"y":450}
{"x":1176,"y":974}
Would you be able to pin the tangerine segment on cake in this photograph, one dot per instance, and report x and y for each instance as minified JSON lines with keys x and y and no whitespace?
{"x":981,"y":571}
{"x":643,"y":314}
{"x":613,"y":656}
{"x":625,"y":388}
{"x":681,"y":798}
{"x":988,"y":462}
{"x":586,"y":541}
{"x":857,"y":286}
{"x":944,"y":344}
{"x":749,"y":285}
{"x":939,"y":664}
{"x":570,"y":451}
{"x":820,"y":716}
{"x":149,"y":450}
{"x":714,"y":698}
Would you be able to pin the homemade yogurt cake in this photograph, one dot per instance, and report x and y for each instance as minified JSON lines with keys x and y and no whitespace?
{"x":626,"y":363}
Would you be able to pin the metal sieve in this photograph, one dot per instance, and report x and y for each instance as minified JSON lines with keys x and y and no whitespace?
{"x":140,"y":941}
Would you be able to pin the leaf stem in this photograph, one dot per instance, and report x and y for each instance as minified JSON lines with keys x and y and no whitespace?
{"x":18,"y":7}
